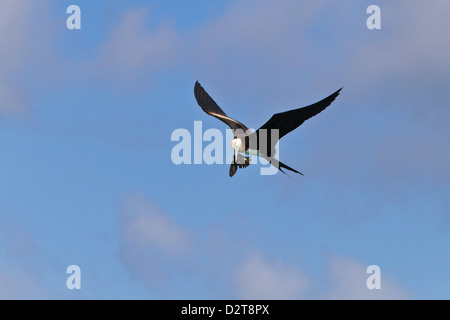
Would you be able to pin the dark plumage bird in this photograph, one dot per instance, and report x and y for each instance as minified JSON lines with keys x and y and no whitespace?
{"x":261,"y":142}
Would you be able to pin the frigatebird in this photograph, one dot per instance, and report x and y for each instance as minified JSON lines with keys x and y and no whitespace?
{"x":261,"y":142}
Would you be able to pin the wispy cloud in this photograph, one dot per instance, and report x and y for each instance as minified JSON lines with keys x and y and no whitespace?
{"x":14,"y":36}
{"x":411,"y":44}
{"x":132,"y":50}
{"x":147,"y":226}
{"x":24,"y":42}
{"x":153,"y":245}
{"x":158,"y":250}
{"x":20,"y":268}
{"x":347,"y":281}
{"x":13,"y":288}
{"x":258,"y":278}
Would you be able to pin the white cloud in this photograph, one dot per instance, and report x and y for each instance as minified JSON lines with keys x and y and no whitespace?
{"x":348,"y":278}
{"x":147,"y":226}
{"x":257,"y":27}
{"x":23,"y":41}
{"x":20,"y":269}
{"x":344,"y":278}
{"x":261,"y":279}
{"x":153,"y":246}
{"x":11,"y":99}
{"x":15,"y":30}
{"x":13,"y":288}
{"x":161,"y":252}
{"x":131,"y":50}
{"x":413,"y":43}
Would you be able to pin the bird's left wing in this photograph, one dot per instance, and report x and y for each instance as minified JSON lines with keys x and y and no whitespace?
{"x":210,"y":107}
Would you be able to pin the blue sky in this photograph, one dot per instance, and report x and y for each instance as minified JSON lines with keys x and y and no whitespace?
{"x":87,"y":115}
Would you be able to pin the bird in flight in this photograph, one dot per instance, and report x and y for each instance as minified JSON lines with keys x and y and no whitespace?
{"x":261,"y":142}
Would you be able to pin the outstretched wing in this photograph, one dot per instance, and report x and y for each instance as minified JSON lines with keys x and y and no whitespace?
{"x":210,"y":107}
{"x":287,"y":121}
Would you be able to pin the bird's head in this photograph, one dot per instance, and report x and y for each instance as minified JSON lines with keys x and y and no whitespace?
{"x":236,"y":144}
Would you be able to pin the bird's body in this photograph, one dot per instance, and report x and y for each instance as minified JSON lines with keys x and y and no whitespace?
{"x":262,"y":142}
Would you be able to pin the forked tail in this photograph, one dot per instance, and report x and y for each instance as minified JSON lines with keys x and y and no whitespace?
{"x":245,"y":162}
{"x":279,"y":165}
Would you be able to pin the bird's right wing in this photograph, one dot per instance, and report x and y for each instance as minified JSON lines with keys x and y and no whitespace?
{"x":290,"y":120}
{"x":210,"y":107}
{"x":287,"y":121}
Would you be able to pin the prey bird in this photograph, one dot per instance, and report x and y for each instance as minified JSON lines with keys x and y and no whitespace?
{"x":261,"y":142}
